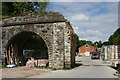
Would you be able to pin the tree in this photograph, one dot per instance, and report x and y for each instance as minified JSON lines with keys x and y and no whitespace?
{"x":77,"y":42}
{"x":7,"y":8}
{"x":90,"y":43}
{"x":83,"y":42}
{"x":107,"y":43}
{"x":22,"y":8}
{"x":43,"y":6}
{"x":98,"y":44}
{"x":114,"y":39}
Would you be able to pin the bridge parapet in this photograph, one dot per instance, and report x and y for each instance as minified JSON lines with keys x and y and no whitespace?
{"x":50,"y":17}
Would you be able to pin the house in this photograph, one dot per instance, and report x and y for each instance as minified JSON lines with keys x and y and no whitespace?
{"x":86,"y":49}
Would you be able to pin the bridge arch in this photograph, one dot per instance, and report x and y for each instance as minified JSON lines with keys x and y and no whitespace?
{"x":54,"y":29}
{"x":26,"y":42}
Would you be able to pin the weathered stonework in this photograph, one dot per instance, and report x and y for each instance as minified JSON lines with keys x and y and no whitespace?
{"x":52,"y":27}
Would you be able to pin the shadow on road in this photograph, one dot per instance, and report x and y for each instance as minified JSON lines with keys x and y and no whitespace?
{"x":77,"y":64}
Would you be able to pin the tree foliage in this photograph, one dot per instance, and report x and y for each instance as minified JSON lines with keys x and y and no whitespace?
{"x":22,"y":8}
{"x":98,"y":44}
{"x":81,"y":42}
{"x":7,"y":8}
{"x":114,"y":39}
{"x":77,"y":42}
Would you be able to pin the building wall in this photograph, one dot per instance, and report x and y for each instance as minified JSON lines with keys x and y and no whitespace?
{"x":86,"y":48}
{"x":110,"y":52}
{"x":69,"y":38}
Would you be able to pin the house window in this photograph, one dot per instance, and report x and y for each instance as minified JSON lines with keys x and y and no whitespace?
{"x":86,"y":46}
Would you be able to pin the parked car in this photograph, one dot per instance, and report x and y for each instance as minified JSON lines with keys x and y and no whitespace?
{"x":95,"y":56}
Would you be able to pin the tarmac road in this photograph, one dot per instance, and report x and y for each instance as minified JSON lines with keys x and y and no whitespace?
{"x":89,"y":69}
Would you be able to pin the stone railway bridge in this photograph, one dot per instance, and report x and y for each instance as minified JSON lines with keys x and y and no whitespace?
{"x":54,"y":29}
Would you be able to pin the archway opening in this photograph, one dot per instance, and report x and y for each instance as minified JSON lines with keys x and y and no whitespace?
{"x":26,"y":46}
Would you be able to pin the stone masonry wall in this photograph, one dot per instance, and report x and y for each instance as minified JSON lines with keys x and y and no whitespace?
{"x":53,"y":28}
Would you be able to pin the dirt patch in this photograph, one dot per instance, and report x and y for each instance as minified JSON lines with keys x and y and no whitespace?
{"x":22,"y":72}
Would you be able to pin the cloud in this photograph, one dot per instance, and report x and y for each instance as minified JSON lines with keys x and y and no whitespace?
{"x":90,"y":20}
{"x":79,"y":18}
{"x":84,"y":0}
{"x":89,"y":34}
{"x":98,"y":28}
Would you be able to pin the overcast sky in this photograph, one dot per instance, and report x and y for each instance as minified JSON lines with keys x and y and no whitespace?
{"x":92,"y":21}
